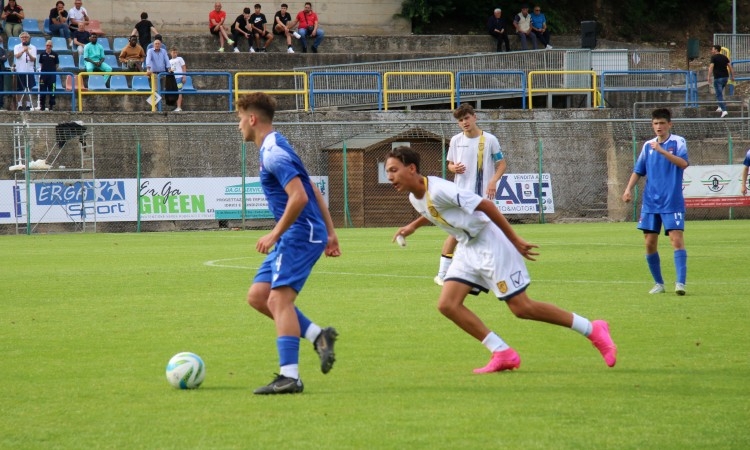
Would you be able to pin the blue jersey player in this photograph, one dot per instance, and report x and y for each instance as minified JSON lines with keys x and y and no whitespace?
{"x":745,"y":169}
{"x":303,"y":231}
{"x":662,"y":161}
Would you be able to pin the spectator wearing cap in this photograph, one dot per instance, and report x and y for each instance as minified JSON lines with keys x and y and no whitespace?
{"x":497,"y":27}
{"x":539,"y":27}
{"x":522,"y":22}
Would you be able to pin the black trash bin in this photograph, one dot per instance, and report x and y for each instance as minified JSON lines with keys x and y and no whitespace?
{"x":588,"y":34}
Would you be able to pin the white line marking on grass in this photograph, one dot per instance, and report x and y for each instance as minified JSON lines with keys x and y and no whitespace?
{"x":221,"y":264}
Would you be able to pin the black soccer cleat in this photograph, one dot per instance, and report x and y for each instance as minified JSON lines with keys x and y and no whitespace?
{"x":324,"y":346}
{"x":281,"y":385}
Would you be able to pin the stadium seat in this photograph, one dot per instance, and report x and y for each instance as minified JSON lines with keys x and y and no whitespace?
{"x":113,"y":62}
{"x":68,"y":63}
{"x":118,"y":44}
{"x":95,"y":27}
{"x":38,"y":42}
{"x":104,"y":42}
{"x":12,"y":42}
{"x":46,"y":28}
{"x":141,"y":83}
{"x":31,"y":26}
{"x":118,"y":83}
{"x":97,"y":83}
{"x":60,"y":45}
{"x":188,"y":86}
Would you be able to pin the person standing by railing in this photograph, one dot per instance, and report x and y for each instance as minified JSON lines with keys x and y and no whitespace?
{"x":48,"y":62}
{"x":721,"y":69}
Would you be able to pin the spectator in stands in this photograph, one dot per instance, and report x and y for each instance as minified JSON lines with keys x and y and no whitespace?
{"x":80,"y":38}
{"x":3,"y":60}
{"x":25,"y":56}
{"x":13,"y":16}
{"x":157,"y":60}
{"x":48,"y":62}
{"x":157,"y":37}
{"x":307,"y":26}
{"x":178,"y":67}
{"x":58,"y":22}
{"x":522,"y":22}
{"x":143,"y":30}
{"x":280,"y":26}
{"x":93,"y":57}
{"x":721,"y":69}
{"x":258,"y":22}
{"x":132,"y":55}
{"x":241,"y":28}
{"x":539,"y":27}
{"x":77,"y":15}
{"x":216,"y":25}
{"x":497,"y":27}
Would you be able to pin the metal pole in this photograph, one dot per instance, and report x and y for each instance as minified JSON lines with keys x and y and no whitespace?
{"x":734,"y":16}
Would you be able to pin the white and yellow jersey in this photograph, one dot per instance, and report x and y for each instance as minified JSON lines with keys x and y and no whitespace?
{"x":451,"y":208}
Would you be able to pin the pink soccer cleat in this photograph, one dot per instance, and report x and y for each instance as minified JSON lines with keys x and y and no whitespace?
{"x":504,"y":360}
{"x":601,"y":339}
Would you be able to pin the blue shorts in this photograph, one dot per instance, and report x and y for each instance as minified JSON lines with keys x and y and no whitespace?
{"x":652,"y":222}
{"x":289,"y":263}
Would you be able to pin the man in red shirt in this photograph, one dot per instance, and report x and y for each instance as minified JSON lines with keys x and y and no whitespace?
{"x":307,"y":22}
{"x":216,"y":25}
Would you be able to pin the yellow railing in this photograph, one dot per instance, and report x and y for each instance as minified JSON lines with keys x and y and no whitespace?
{"x":82,"y":92}
{"x":451,"y":90}
{"x":303,"y":92}
{"x":591,"y":90}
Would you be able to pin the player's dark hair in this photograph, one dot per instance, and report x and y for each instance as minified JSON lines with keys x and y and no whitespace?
{"x":246,"y":11}
{"x":258,"y":102}
{"x":463,"y":110}
{"x":661,"y":113}
{"x":144,"y":15}
{"x":404,"y":154}
{"x":257,"y":5}
{"x":718,"y":48}
{"x":284,"y":5}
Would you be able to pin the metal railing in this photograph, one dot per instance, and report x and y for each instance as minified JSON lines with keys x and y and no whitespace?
{"x":650,"y":81}
{"x":562,"y":86}
{"x":475,"y":84}
{"x":294,"y":91}
{"x":334,"y":83}
{"x":189,"y":87}
{"x":62,"y":77}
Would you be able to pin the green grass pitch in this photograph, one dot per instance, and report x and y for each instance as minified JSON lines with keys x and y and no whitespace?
{"x":88,"y":323}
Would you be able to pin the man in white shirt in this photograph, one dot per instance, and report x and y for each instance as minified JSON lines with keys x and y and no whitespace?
{"x":522,"y":22}
{"x":489,"y":257}
{"x":25,"y":61}
{"x":77,"y":14}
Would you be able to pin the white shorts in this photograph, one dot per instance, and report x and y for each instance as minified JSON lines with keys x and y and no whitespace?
{"x":489,"y":262}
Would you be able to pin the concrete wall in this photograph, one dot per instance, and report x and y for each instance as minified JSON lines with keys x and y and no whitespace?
{"x":353,"y":17}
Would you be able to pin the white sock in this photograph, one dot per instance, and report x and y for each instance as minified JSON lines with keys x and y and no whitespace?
{"x":312,"y":332}
{"x":445,"y":263}
{"x":581,"y":325}
{"x":494,"y":343}
{"x":291,"y":371}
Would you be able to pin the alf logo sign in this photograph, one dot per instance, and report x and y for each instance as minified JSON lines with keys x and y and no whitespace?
{"x":523,"y":193}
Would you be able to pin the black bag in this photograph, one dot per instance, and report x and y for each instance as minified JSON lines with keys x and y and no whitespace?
{"x":170,"y":85}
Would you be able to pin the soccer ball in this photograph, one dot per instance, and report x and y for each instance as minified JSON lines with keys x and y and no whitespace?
{"x":186,"y":371}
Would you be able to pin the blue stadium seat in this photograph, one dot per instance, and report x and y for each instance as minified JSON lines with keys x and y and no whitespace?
{"x":13,"y":41}
{"x":97,"y":83}
{"x":104,"y":42}
{"x":46,"y":28}
{"x":60,"y":45}
{"x":67,"y":63}
{"x":141,"y":83}
{"x":118,"y":83}
{"x":38,"y":42}
{"x":113,"y":62}
{"x":31,"y":26}
{"x":188,"y":86}
{"x":118,"y":44}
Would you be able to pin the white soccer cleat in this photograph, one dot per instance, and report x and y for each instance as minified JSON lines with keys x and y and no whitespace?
{"x":657,"y":289}
{"x":679,"y":289}
{"x":439,"y":281}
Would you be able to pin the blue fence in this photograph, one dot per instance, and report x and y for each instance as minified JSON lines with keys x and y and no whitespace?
{"x":650,"y":81}
{"x":491,"y":82}
{"x":60,"y":85}
{"x":331,"y":88}
{"x":189,"y":89}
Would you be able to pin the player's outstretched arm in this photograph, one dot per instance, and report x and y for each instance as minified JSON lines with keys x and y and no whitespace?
{"x":411,"y":228}
{"x":332,"y":248}
{"x":523,"y":247}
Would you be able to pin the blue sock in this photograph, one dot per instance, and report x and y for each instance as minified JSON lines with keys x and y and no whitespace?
{"x":680,"y":265}
{"x":654,"y":265}
{"x":288,"y":347}
{"x":304,"y":322}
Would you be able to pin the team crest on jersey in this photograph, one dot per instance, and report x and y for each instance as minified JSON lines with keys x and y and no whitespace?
{"x":503,"y":287}
{"x":433,"y":211}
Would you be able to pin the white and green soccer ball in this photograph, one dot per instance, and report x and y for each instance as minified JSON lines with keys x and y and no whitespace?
{"x":186,"y":371}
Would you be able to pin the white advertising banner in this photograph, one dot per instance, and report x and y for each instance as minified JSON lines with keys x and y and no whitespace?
{"x":713,"y":186}
{"x":523,"y":193}
{"x":117,"y":200}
